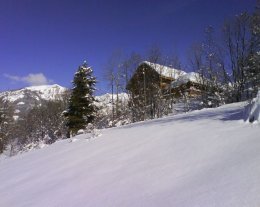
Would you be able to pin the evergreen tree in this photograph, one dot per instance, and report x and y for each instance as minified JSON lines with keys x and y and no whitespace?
{"x":81,"y":109}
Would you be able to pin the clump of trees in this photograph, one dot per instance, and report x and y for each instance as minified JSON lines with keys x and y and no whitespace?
{"x":241,"y":43}
{"x":41,"y":124}
{"x":118,"y":71}
{"x":229,"y":66}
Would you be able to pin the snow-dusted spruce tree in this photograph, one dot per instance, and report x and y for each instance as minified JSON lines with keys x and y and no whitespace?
{"x":81,"y":109}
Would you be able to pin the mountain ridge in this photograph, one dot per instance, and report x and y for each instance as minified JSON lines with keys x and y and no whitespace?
{"x":26,"y":98}
{"x":45,"y":92}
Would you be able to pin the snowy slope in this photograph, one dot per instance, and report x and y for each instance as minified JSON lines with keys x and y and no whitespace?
{"x":204,"y":158}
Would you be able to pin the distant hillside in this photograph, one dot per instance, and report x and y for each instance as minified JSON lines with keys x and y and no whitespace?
{"x":44,"y":92}
{"x":25,"y":98}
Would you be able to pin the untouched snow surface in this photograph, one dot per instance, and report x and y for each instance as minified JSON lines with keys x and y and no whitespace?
{"x":204,"y":158}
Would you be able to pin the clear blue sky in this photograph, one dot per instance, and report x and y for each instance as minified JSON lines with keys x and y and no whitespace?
{"x":46,"y":40}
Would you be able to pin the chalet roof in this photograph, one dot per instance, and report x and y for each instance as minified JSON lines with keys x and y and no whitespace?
{"x":165,"y":71}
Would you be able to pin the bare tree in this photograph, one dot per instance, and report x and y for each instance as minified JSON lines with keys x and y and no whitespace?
{"x":118,"y":71}
{"x":208,"y":60}
{"x":110,"y":75}
{"x":129,"y":66}
{"x":154,"y":54}
{"x":252,"y":71}
{"x":197,"y":62}
{"x":236,"y":38}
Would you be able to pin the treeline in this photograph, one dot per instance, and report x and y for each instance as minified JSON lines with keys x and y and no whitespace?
{"x":43,"y":124}
{"x":230,"y":65}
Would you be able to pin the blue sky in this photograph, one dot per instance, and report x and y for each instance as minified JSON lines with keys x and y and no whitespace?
{"x":44,"y":41}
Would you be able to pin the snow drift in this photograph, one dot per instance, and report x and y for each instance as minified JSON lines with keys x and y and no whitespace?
{"x":204,"y":158}
{"x":254,"y":114}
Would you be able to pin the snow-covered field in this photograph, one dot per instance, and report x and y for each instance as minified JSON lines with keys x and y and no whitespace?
{"x":204,"y":158}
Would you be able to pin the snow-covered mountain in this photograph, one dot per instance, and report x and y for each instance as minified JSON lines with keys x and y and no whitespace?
{"x":44,"y":92}
{"x":104,"y":102}
{"x":202,"y":158}
{"x":107,"y":98}
{"x":52,"y":92}
{"x":26,"y":98}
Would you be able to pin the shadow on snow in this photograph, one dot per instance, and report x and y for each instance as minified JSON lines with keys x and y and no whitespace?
{"x":211,"y":114}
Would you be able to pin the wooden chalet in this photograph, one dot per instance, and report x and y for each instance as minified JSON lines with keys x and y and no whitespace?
{"x":148,"y":84}
{"x":151,"y":83}
{"x":150,"y":74}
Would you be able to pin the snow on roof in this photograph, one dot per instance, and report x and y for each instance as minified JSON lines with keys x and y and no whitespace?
{"x":185,"y":78}
{"x":165,"y":71}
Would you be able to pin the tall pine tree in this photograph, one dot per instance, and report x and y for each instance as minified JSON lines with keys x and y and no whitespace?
{"x":81,"y":109}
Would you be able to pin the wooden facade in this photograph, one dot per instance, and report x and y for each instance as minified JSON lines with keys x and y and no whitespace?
{"x":153,"y":85}
{"x":148,"y":74}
